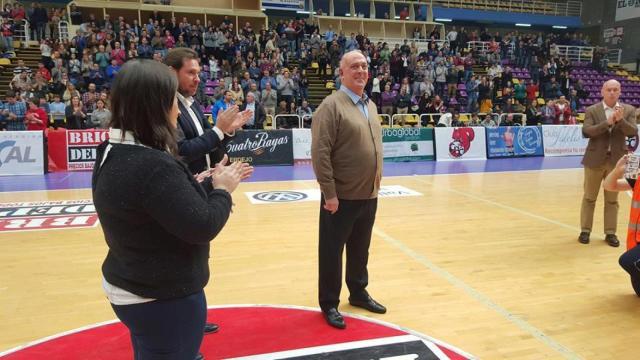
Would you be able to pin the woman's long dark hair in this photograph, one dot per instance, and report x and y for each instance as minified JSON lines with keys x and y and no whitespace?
{"x":142,"y":97}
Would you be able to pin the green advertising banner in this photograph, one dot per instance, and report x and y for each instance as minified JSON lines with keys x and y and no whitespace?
{"x":408,"y":144}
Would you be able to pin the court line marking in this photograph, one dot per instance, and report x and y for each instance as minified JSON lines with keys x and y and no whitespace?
{"x":314,"y":180}
{"x":566,"y":352}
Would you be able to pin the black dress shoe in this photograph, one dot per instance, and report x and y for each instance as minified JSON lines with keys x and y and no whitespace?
{"x":584,"y":237}
{"x":369,"y":304}
{"x":210,"y":328}
{"x":199,"y":356}
{"x":333,"y":318}
{"x":612,"y":240}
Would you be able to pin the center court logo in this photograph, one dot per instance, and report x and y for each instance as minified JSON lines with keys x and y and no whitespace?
{"x":310,"y":338}
{"x":280,"y":196}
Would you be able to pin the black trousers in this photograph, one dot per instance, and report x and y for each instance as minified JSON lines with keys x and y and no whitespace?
{"x":630,"y":262}
{"x":165,"y":329}
{"x":351,"y":225}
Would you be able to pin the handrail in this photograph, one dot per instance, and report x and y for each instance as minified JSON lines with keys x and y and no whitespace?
{"x":614,"y":56}
{"x":574,"y":53}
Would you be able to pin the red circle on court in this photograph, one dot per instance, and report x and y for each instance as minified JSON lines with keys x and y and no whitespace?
{"x":257,"y":332}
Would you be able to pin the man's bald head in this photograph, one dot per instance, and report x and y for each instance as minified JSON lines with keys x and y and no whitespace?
{"x":611,"y":92}
{"x":354,"y":71}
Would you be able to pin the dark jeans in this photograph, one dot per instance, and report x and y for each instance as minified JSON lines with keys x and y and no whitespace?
{"x":351,"y":225}
{"x":630,"y":262}
{"x":165,"y":329}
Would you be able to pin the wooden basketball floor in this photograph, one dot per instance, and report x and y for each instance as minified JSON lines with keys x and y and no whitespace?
{"x":487,"y":262}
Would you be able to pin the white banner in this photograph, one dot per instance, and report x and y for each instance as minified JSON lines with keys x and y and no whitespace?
{"x":627,"y":9}
{"x":21,"y":153}
{"x":301,"y":144}
{"x":290,"y":196}
{"x":283,"y":4}
{"x":563,"y":140}
{"x":465,"y":143}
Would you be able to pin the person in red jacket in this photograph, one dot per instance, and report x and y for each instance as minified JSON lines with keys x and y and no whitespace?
{"x":35,"y":118}
{"x":42,"y":70}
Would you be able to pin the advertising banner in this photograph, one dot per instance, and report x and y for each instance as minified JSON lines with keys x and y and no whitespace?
{"x":81,"y":148}
{"x":563,"y":140}
{"x":283,"y":4}
{"x":259,"y":147}
{"x":302,"y":145}
{"x":627,"y":9}
{"x":512,"y":141}
{"x":21,"y":152}
{"x":407,"y":144}
{"x":465,"y":143}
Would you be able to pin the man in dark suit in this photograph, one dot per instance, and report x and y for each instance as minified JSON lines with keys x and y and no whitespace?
{"x":256,"y":121}
{"x":200,"y":145}
{"x":606,"y":124}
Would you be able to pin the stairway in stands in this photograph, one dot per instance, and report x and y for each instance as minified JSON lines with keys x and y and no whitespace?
{"x":317,"y":87}
{"x":31,"y":57}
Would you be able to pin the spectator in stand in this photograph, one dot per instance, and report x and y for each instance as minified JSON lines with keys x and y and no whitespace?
{"x":258,"y":115}
{"x":269,"y":98}
{"x":112,"y":70}
{"x":222,"y":104}
{"x":8,"y":29}
{"x":14,"y":112}
{"x":101,"y":116}
{"x":75,"y":114}
{"x":562,"y":111}
{"x":35,"y":118}
{"x":57,"y":109}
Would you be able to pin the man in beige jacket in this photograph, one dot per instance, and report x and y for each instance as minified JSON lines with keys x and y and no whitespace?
{"x":606,"y":124}
{"x":346,"y":151}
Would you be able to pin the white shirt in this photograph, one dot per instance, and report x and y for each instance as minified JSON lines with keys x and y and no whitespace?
{"x":252,"y":107}
{"x":608,"y":111}
{"x":187,"y":102}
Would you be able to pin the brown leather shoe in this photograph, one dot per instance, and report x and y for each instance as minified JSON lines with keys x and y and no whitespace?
{"x":584,"y":237}
{"x":612,"y":240}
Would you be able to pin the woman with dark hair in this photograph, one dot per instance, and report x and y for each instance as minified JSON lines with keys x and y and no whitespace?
{"x":157,"y":218}
{"x":75,"y":113}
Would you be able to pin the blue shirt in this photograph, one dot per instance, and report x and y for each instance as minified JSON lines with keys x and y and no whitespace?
{"x":360,"y":102}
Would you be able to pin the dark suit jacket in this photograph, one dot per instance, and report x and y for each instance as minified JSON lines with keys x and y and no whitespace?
{"x":194,"y":148}
{"x":595,"y":128}
{"x":260,"y":115}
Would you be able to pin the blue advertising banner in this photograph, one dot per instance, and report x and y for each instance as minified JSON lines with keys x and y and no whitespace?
{"x":511,"y":141}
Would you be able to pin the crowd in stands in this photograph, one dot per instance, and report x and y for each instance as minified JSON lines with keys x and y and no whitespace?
{"x":268,"y":68}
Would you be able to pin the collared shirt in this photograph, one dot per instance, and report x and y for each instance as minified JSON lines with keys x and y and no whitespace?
{"x":188,"y":102}
{"x":608,"y":111}
{"x":360,"y":102}
{"x":252,"y":107}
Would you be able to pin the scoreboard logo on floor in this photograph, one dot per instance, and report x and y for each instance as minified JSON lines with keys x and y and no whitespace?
{"x":47,"y":215}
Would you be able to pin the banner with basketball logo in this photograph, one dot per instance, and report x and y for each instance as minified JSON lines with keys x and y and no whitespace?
{"x":407,"y":144}
{"x":564,"y":140}
{"x":464,"y":143}
{"x":259,"y":147}
{"x":512,"y":141}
